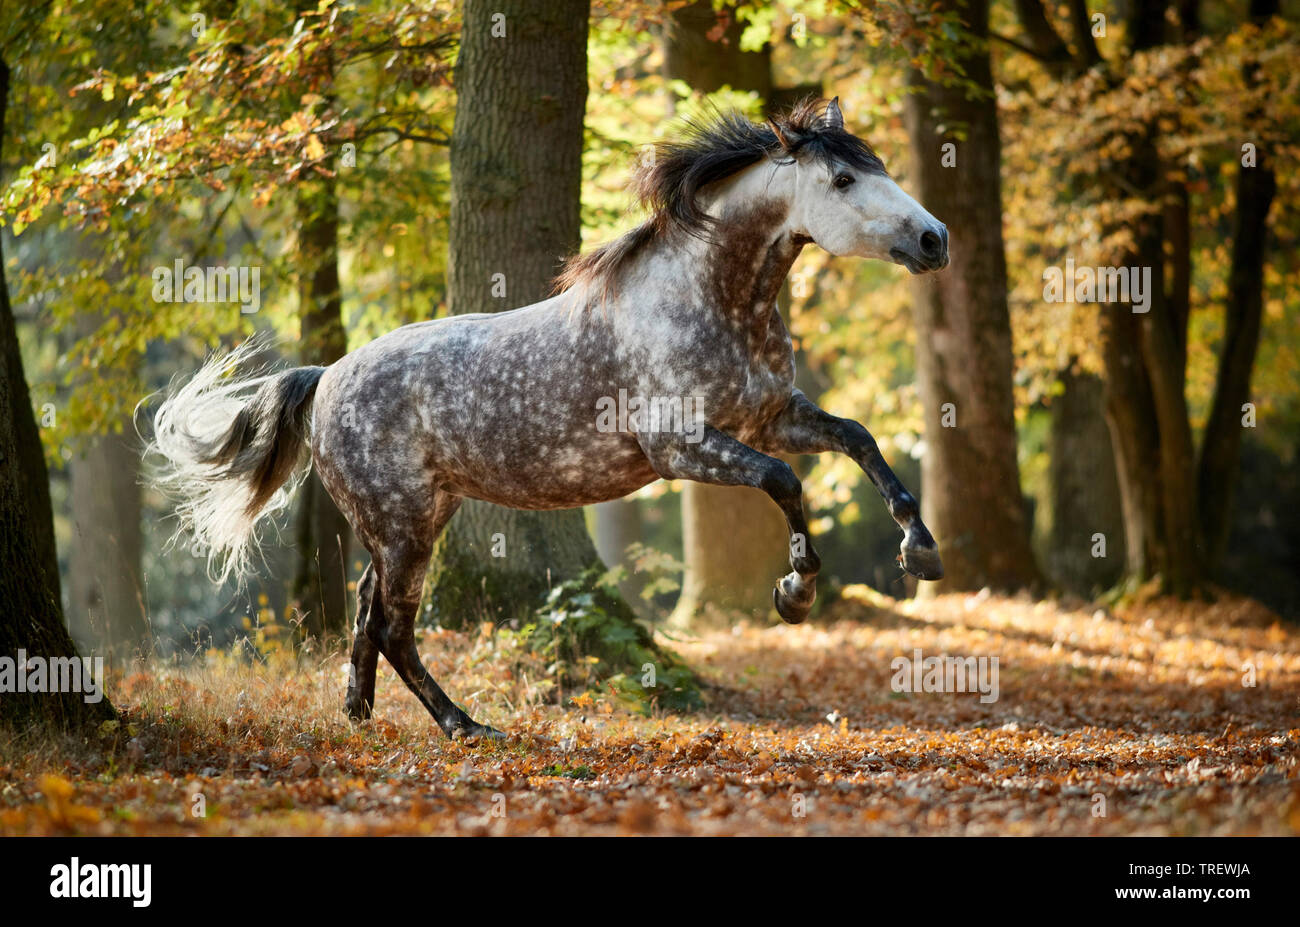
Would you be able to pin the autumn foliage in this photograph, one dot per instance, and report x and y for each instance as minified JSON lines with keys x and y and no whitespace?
{"x":1132,"y":721}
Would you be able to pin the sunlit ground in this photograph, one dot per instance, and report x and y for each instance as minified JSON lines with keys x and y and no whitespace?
{"x":1133,"y":722}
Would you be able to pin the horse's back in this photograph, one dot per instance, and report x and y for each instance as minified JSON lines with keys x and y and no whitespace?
{"x":494,"y":406}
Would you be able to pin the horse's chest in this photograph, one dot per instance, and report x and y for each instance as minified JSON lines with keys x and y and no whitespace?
{"x":739,"y":377}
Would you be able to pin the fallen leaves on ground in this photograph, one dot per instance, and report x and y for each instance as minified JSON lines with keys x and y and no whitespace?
{"x":1133,"y":721}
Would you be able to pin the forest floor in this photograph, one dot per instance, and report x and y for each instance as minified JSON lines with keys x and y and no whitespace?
{"x":1133,"y":721}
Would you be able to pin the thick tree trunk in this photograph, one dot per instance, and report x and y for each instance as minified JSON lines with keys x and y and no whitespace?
{"x":1145,"y":360}
{"x":496,"y":564}
{"x":732,"y":547}
{"x":1130,"y":416}
{"x":733,"y":538}
{"x":1085,"y":42}
{"x":32,"y":620}
{"x":970,"y":484}
{"x":1084,"y":493}
{"x":1221,"y":446}
{"x":1083,"y":524}
{"x":707,"y":64}
{"x":106,"y":611}
{"x":320,"y":583}
{"x":516,"y":164}
{"x":1147,"y":411}
{"x":617,"y":525}
{"x":1181,"y":568}
{"x":33,"y":477}
{"x":516,"y":151}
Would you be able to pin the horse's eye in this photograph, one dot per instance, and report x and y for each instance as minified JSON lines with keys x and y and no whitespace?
{"x":843,"y":181}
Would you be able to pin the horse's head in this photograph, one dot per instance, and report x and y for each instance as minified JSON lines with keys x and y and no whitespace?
{"x":846,"y":202}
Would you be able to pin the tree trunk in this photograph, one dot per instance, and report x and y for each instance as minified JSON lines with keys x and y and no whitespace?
{"x":1176,"y":476}
{"x":516,"y":166}
{"x":1221,"y":446}
{"x":32,"y":622}
{"x":970,"y":482}
{"x":616,"y":526}
{"x":706,"y":63}
{"x":733,"y":538}
{"x":106,"y":610}
{"x":32,"y":619}
{"x":1130,"y":417}
{"x":1145,"y":361}
{"x":320,"y":584}
{"x":732,"y":548}
{"x":1081,"y":29}
{"x":1083,"y":522}
{"x":1052,"y":51}
{"x":1147,"y":410}
{"x":516,"y":151}
{"x":33,"y":477}
{"x":106,"y":597}
{"x":1084,"y":493}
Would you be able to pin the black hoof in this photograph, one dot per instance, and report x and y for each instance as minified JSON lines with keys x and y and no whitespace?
{"x":922,"y":562}
{"x":356,"y":709}
{"x":473,"y":733}
{"x":791,"y":610}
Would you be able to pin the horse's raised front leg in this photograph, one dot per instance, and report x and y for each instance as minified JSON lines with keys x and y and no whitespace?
{"x":721,"y":459}
{"x":803,"y":428}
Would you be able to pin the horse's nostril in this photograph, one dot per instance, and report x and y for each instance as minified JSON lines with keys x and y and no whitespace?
{"x":931,"y":244}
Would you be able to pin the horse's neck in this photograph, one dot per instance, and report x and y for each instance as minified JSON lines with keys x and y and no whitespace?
{"x":745,"y":262}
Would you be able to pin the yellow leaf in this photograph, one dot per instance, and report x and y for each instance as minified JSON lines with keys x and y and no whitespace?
{"x":56,"y":788}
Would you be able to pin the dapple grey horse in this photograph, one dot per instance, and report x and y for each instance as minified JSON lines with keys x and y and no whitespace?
{"x":508,"y":407}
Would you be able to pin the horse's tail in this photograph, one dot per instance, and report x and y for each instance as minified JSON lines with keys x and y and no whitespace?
{"x":223,"y":448}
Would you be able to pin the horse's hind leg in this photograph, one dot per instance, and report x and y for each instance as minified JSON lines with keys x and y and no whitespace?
{"x":365,"y":655}
{"x":400,"y":565}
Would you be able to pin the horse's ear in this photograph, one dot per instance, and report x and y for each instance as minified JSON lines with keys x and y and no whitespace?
{"x":834,"y":116}
{"x":786,"y":138}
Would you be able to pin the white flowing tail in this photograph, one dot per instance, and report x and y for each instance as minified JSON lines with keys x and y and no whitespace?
{"x":224,"y":447}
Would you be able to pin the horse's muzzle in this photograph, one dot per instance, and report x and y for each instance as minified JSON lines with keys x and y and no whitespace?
{"x":928,"y":253}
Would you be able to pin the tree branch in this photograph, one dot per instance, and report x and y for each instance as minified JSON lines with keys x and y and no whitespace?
{"x":1019,"y":46}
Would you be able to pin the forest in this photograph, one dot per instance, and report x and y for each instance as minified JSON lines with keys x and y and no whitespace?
{"x":1085,"y":386}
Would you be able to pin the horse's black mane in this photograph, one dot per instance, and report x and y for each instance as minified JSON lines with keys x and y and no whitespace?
{"x":709,"y":151}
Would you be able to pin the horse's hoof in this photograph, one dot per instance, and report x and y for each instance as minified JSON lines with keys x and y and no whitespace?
{"x":356,"y":710}
{"x":922,"y":562}
{"x":473,"y":733}
{"x":790,"y":610}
